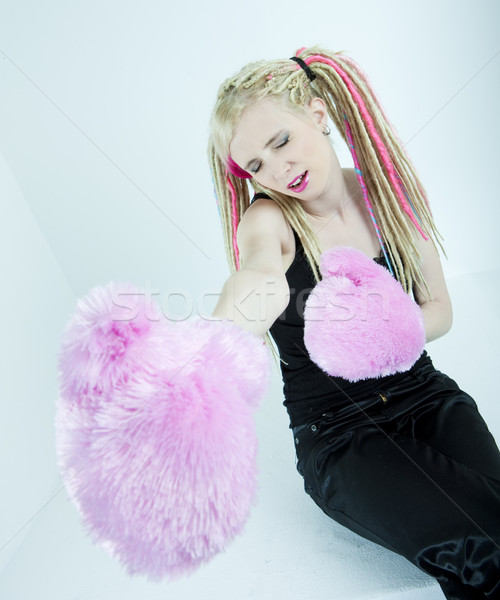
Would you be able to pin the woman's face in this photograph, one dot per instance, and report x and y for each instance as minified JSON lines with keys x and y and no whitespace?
{"x":285,"y":151}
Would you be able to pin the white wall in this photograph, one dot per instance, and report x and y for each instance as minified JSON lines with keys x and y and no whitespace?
{"x":104,"y":109}
{"x":35,"y":303}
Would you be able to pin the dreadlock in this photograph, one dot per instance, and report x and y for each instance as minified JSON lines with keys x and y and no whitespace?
{"x":393,"y":194}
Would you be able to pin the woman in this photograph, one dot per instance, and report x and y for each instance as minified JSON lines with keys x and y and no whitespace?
{"x":401,"y":457}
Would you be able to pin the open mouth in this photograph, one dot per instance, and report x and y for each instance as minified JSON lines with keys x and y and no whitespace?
{"x":300,"y":182}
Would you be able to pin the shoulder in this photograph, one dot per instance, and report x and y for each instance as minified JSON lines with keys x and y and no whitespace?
{"x":263,"y":216}
{"x":263,"y":230}
{"x":264,"y":210}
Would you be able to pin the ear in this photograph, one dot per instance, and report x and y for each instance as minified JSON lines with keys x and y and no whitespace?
{"x":317,"y":111}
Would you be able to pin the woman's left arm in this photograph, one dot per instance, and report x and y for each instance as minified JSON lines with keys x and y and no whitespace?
{"x":438,"y":313}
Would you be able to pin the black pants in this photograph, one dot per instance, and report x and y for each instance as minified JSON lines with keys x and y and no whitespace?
{"x":415,"y":470}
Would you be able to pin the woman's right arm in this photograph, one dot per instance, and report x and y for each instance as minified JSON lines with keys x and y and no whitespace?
{"x":258,"y":293}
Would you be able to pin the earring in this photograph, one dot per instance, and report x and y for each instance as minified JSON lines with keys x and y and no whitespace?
{"x":326,"y":130}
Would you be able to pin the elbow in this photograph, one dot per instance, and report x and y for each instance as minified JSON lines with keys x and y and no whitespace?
{"x":438,"y":319}
{"x":443,"y":329}
{"x":274,"y":299}
{"x":446,"y":316}
{"x":274,"y":294}
{"x":253,"y":299}
{"x":449,"y":319}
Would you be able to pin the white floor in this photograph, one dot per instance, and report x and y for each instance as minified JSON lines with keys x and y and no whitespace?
{"x":290,"y":548}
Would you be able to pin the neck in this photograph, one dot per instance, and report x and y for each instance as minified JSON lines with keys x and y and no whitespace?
{"x":341,"y":190}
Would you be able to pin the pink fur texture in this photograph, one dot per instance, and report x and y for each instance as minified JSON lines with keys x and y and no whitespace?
{"x":154,"y":428}
{"x":360,"y":323}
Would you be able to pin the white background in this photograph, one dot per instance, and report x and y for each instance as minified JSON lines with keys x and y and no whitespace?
{"x":104,"y":110}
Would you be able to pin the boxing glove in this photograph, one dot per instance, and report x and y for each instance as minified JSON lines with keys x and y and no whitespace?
{"x":359,"y":321}
{"x":155,"y":434}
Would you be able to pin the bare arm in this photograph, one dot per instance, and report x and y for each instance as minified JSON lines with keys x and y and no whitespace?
{"x":258,"y":293}
{"x":438,"y":313}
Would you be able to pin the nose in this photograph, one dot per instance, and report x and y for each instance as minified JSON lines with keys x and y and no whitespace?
{"x":282,"y":171}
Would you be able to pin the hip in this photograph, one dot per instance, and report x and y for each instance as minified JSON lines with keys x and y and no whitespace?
{"x":389,"y":407}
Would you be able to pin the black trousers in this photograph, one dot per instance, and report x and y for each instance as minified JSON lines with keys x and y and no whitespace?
{"x":414,"y":469}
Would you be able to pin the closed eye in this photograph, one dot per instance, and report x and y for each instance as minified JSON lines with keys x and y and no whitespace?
{"x":256,"y":168}
{"x":284,"y":142}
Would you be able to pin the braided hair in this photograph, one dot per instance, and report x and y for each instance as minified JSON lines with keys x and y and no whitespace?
{"x":392,"y":192}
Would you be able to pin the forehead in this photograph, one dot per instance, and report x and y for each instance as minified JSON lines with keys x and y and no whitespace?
{"x":258,"y":123}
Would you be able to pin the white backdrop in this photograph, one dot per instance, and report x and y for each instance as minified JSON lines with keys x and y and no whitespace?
{"x":104,"y":110}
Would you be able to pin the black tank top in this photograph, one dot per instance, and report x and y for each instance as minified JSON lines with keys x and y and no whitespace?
{"x":308,"y":391}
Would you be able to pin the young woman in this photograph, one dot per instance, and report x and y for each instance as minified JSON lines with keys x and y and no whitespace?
{"x":399,"y":455}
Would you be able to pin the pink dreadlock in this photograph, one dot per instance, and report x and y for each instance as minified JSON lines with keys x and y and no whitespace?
{"x":382,"y":149}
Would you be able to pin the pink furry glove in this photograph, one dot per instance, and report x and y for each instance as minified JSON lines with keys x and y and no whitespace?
{"x":359,"y":322}
{"x":154,"y":428}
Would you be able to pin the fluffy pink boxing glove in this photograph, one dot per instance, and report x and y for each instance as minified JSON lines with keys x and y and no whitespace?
{"x":359,"y":322}
{"x":154,"y":428}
